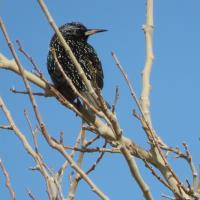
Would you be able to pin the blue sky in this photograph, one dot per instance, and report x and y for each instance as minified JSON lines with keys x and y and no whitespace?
{"x":175,"y":94}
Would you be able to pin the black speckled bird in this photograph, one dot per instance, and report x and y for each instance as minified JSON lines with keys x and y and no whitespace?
{"x":76,"y":35}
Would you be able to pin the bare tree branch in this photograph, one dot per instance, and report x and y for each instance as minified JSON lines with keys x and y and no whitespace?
{"x":148,"y":30}
{"x":7,"y":177}
{"x":192,"y":166}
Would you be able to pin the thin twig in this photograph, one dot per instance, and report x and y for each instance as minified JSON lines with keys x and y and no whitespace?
{"x":92,"y":168}
{"x":7,"y":177}
{"x":62,"y":137}
{"x":36,"y":68}
{"x":192,"y":166}
{"x":91,"y":141}
{"x":156,"y":175}
{"x":168,"y":197}
{"x":94,"y":150}
{"x":25,"y":92}
{"x":30,"y":194}
{"x":125,"y":75}
{"x":115,"y":99}
{"x":8,"y":127}
{"x":34,"y":132}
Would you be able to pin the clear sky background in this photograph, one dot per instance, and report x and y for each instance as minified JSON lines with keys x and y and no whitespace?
{"x":175,"y":95}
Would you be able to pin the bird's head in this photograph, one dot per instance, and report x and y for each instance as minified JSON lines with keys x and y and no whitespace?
{"x":78,"y":30}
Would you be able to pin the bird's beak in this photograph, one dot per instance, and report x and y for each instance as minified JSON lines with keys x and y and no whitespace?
{"x":93,"y":31}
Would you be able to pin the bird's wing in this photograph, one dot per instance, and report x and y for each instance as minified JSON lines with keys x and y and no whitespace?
{"x":95,"y":66}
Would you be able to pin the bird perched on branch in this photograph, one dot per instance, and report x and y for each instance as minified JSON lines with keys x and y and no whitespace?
{"x":76,"y":36}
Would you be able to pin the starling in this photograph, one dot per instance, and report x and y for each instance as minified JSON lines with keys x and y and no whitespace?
{"x":76,"y":36}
